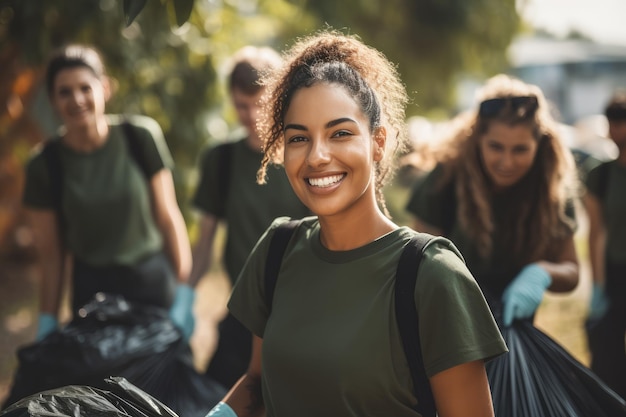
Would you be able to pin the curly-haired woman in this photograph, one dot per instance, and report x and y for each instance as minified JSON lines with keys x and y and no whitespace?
{"x":328,"y":343}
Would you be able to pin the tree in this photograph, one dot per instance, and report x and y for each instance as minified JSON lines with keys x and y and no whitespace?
{"x":163,"y":67}
{"x":166,"y":56}
{"x":433,"y":41}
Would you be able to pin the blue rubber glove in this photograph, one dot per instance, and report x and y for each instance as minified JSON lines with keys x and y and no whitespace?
{"x":46,"y":324}
{"x":599,"y":302}
{"x":523,"y":295}
{"x":222,"y":410}
{"x":181,"y":311}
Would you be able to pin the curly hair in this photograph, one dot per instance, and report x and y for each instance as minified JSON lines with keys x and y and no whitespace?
{"x":538,"y":220}
{"x":373,"y":81}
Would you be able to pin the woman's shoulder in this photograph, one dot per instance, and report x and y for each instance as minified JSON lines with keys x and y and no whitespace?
{"x":434,"y":245}
{"x":38,"y":155}
{"x":140,"y":121}
{"x":220,"y":151}
{"x":144,"y":127}
{"x":285,"y":222}
{"x":441,"y":259}
{"x":146,"y":137}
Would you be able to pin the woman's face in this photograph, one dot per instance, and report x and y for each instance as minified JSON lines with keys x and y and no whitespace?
{"x":507,"y":153}
{"x":329,"y":152}
{"x":79,"y":96}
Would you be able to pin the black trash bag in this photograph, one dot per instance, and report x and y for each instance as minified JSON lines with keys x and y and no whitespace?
{"x":122,"y":399}
{"x":114,"y":337}
{"x":540,"y":378}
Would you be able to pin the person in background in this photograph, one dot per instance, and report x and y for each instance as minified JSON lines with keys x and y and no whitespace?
{"x":328,"y":343}
{"x":605,"y":203}
{"x":227,"y":192}
{"x":118,"y":221}
{"x":503,"y":192}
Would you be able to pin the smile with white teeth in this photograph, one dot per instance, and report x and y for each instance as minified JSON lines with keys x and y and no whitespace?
{"x":325,"y":181}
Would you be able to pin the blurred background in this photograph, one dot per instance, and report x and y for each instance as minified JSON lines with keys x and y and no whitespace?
{"x":167,"y":59}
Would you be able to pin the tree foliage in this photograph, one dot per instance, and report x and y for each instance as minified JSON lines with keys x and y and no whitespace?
{"x":167,"y":56}
{"x":165,"y":59}
{"x":433,"y":41}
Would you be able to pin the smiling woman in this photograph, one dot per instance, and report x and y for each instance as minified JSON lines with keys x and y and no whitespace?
{"x":327,"y":340}
{"x":511,"y":182}
{"x":101,"y":194}
{"x":328,"y":159}
{"x":503,"y":192}
{"x":112,"y":211}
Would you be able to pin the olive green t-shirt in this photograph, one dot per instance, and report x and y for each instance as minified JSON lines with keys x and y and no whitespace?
{"x":105,"y":194}
{"x":249,"y":207}
{"x":331,"y":345}
{"x":613,"y":199}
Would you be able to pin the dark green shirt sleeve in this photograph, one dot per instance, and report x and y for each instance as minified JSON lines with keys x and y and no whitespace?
{"x":37,"y":191}
{"x":207,"y":196}
{"x":155,"y":153}
{"x":455,"y":322}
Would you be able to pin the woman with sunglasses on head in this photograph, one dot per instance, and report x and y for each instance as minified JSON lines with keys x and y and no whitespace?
{"x":328,"y":344}
{"x":503,"y":193}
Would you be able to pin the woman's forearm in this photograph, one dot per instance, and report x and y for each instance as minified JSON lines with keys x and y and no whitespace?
{"x":202,"y":251}
{"x":565,"y":275}
{"x":50,"y":259}
{"x":246,"y":398}
{"x":177,"y":244}
{"x":171,"y":223}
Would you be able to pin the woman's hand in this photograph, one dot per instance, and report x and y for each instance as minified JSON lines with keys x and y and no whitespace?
{"x":46,"y":324}
{"x":524,"y":294}
{"x":181,"y":311}
{"x":245,"y":398}
{"x":51,"y":262}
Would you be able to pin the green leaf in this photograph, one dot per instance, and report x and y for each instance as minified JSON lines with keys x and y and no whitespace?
{"x":182,"y":10}
{"x":132,"y":8}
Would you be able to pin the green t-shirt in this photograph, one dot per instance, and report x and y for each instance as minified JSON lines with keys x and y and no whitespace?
{"x":613,"y":201}
{"x":331,"y":345}
{"x":436,"y":204}
{"x":249,"y":207}
{"x":105,"y":195}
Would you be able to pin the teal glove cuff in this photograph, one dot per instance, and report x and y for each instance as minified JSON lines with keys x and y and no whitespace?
{"x":599,"y":302}
{"x":524,"y":294}
{"x":184,"y":294}
{"x":222,"y":410}
{"x":46,"y":324}
{"x":181,"y":311}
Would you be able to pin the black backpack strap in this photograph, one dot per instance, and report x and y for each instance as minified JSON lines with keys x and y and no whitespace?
{"x":51,"y":153}
{"x":134,"y":147}
{"x":406,"y":315}
{"x":278,"y":244}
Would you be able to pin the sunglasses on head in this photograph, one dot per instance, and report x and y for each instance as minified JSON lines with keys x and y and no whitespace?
{"x":524,"y":106}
